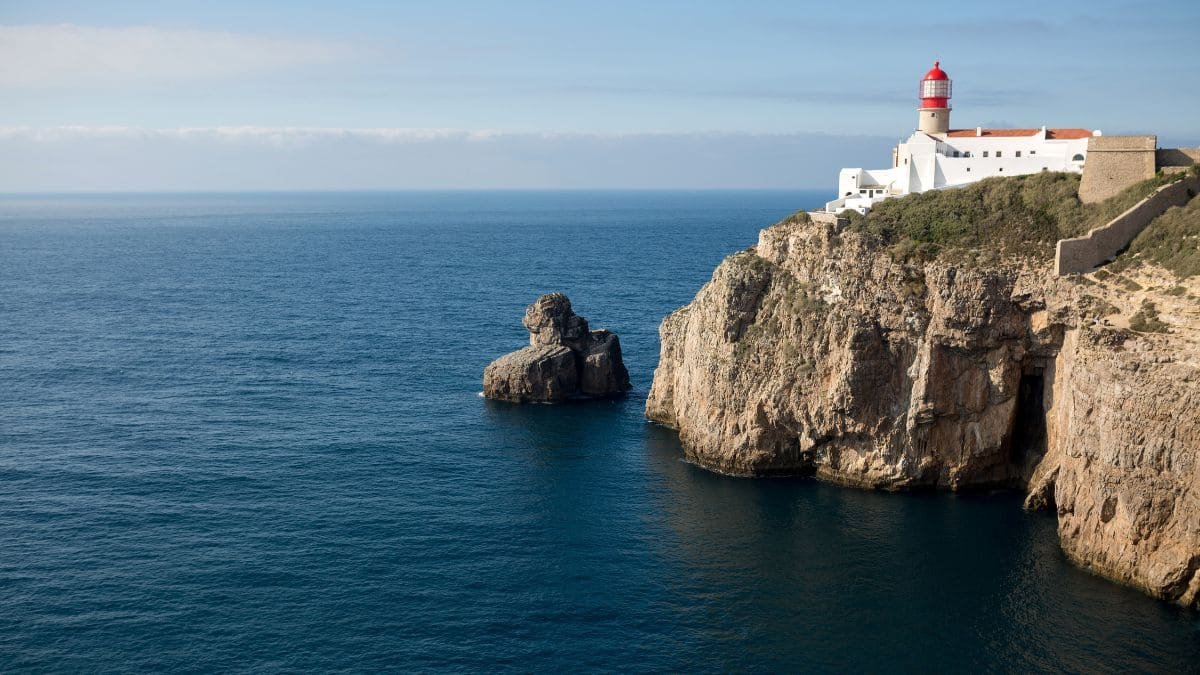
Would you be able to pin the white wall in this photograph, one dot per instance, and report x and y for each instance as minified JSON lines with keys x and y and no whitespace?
{"x":1048,"y":155}
{"x":931,"y":164}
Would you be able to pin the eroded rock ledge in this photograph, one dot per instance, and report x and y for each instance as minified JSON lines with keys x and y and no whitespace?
{"x":817,"y":352}
{"x":564,"y":360}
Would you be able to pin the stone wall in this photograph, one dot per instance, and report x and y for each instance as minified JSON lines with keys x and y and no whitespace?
{"x":1082,"y":254}
{"x":1176,"y":158}
{"x":1114,"y":163}
{"x":826,"y":218}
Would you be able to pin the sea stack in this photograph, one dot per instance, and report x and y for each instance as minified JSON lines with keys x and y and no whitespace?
{"x":564,"y":360}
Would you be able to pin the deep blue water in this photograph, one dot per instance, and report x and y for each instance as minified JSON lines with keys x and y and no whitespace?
{"x":243,"y":432}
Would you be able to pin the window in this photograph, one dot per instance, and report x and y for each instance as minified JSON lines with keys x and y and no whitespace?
{"x":1001,"y":168}
{"x":967,"y":153}
{"x":1032,"y":152}
{"x":956,"y":153}
{"x":997,"y":153}
{"x":1045,"y":169}
{"x":935,"y":89}
{"x":968,"y":169}
{"x":1077,"y":158}
{"x":985,"y":153}
{"x":1018,"y":153}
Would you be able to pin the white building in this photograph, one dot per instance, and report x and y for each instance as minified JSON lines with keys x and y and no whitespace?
{"x":937,"y":157}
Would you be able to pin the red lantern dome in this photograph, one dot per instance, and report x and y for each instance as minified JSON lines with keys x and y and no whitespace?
{"x":934,"y":91}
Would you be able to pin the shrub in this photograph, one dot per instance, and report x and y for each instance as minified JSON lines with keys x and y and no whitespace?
{"x":1093,"y":306}
{"x":798,"y":217}
{"x":1129,"y":284}
{"x":1146,"y":320}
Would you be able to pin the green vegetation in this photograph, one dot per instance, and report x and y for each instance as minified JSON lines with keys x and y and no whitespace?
{"x":1146,"y":319}
{"x":1172,"y":241}
{"x":1022,"y":215}
{"x":1090,"y":305}
{"x":798,"y":217}
{"x":1129,"y":284}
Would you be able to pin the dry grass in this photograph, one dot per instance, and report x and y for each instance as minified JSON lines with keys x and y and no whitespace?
{"x":1171,"y":241}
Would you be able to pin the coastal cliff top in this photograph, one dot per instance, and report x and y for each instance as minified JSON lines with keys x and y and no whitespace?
{"x":1150,"y":293}
{"x":1019,"y":216}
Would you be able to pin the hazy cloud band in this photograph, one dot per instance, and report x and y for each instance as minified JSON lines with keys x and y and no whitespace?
{"x":287,"y":158}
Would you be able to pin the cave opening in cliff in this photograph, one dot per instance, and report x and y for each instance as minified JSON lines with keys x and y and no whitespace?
{"x":1029,"y":423}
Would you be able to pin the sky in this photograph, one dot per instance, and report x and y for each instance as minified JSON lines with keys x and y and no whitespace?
{"x":252,"y":95}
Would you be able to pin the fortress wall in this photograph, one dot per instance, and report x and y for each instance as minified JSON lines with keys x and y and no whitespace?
{"x":1082,"y":254}
{"x":1177,"y":157}
{"x":1114,"y":163}
{"x":827,"y":218}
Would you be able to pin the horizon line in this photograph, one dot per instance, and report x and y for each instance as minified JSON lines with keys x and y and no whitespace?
{"x":290,"y":191}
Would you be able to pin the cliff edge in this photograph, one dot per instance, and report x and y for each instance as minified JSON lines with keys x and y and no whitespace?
{"x":932,"y":347}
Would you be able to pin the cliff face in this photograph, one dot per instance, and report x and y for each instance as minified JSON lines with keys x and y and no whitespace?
{"x":818,"y":352}
{"x":1122,"y":470}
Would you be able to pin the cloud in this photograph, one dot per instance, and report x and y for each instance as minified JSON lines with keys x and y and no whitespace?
{"x":67,"y":54}
{"x":303,"y":158}
{"x":248,"y":135}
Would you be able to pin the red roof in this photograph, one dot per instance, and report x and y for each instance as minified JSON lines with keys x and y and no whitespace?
{"x":1052,"y":134}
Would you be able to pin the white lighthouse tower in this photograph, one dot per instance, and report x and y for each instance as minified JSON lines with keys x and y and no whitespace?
{"x":934,"y":111}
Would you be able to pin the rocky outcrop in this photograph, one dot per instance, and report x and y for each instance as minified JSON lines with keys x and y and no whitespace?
{"x":564,"y":360}
{"x":1123,"y":467}
{"x":820,"y":352}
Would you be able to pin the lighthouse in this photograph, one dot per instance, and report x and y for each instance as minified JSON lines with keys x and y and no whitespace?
{"x":936,"y":157}
{"x":933,"y":116}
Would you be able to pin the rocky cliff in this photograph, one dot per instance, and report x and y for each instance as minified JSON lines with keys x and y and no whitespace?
{"x":823,"y":351}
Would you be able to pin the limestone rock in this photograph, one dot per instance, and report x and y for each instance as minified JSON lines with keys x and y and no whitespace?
{"x":551,"y":321}
{"x":603,"y":372}
{"x":543,"y":373}
{"x":564,"y":360}
{"x":816,"y":352}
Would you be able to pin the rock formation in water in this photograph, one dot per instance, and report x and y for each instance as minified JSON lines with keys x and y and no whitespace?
{"x":564,"y":360}
{"x":819,"y":351}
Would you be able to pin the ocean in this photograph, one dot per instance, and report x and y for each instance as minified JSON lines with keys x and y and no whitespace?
{"x":244,"y":432}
